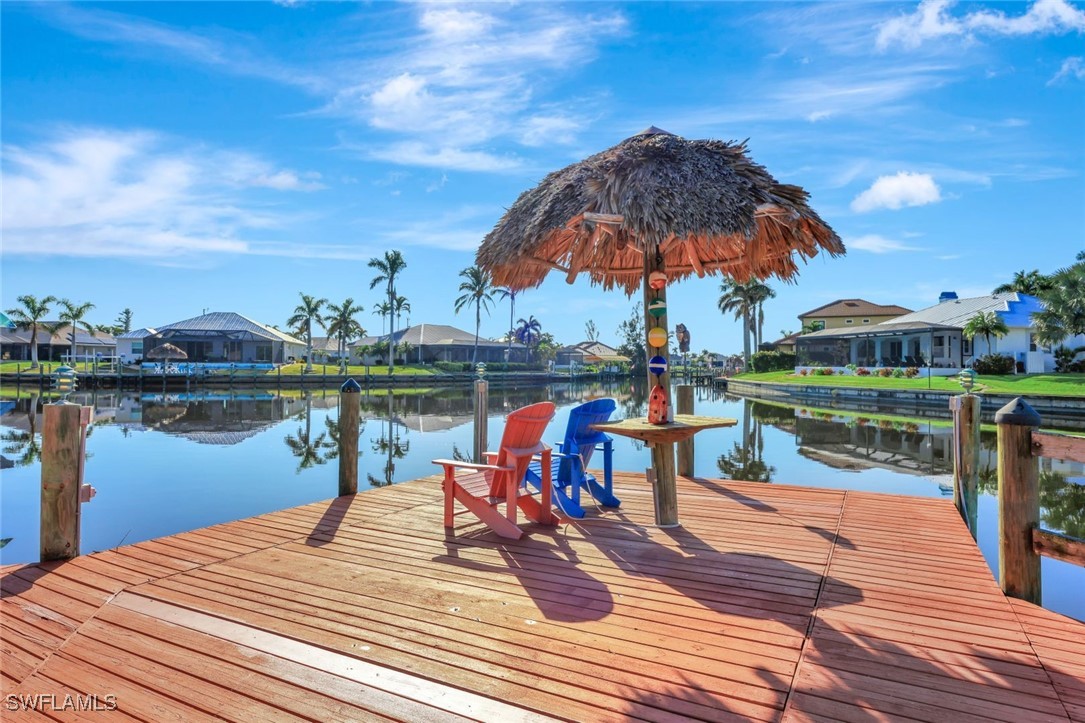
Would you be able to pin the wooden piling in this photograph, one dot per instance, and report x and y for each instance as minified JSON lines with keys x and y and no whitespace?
{"x":685,"y":447}
{"x":61,"y":472}
{"x":482,"y":404}
{"x":966,"y":444}
{"x":1018,"y":501}
{"x":349,"y":411}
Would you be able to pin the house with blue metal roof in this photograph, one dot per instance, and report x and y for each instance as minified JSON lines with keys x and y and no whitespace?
{"x":933,"y":338}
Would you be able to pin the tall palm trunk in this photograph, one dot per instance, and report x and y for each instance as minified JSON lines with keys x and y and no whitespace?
{"x":34,"y":346}
{"x":512,"y":315}
{"x":478,"y":323}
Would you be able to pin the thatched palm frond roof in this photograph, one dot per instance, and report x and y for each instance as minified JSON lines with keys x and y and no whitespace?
{"x":166,"y":351}
{"x":707,"y":205}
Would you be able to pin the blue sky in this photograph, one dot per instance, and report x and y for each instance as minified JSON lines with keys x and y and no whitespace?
{"x":179,"y":157}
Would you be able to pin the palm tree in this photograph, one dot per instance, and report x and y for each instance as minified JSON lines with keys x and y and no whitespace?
{"x":343,"y":326}
{"x":389,"y":268}
{"x":305,"y":314}
{"x":760,"y":293}
{"x":400,"y":305}
{"x":383,"y":310}
{"x":1026,"y":282}
{"x":986,"y":324}
{"x":29,"y":315}
{"x":75,"y":315}
{"x":741,"y":300}
{"x":528,"y":332}
{"x":1063,"y":314}
{"x":506,"y":293}
{"x":478,"y":290}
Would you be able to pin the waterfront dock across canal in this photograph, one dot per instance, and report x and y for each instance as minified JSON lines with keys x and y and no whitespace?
{"x":770,"y":602}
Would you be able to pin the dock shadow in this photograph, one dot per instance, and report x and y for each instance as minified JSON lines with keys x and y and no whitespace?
{"x":325,"y":528}
{"x":544,"y":566}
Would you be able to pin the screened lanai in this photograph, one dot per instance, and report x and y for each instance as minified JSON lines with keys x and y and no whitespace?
{"x":907,"y":344}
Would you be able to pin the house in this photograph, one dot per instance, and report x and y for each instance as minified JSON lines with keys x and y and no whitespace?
{"x":786,"y":344}
{"x":326,"y":349}
{"x":934,"y":338}
{"x":429,"y":343}
{"x":56,"y":346}
{"x":225,"y":336}
{"x":130,"y":345}
{"x":848,"y":313}
{"x":589,"y":352}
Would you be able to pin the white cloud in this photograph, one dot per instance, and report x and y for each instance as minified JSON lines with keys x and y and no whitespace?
{"x":417,"y":153}
{"x":932,"y":20}
{"x":459,"y":230}
{"x":91,"y":192}
{"x":894,"y":192}
{"x":876,"y":244}
{"x":1072,"y":68}
{"x":469,"y":78}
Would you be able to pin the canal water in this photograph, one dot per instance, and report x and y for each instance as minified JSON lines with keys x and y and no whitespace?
{"x":163,"y":464}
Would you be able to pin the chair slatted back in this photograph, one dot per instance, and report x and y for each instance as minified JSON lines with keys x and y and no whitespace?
{"x":580,"y":438}
{"x":523,"y":435}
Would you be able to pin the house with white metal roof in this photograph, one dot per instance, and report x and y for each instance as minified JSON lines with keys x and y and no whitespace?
{"x":55,"y":345}
{"x":437,"y":342}
{"x":225,"y":336}
{"x":933,"y":339}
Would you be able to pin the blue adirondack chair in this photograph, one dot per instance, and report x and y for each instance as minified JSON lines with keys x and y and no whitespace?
{"x":569,"y":465}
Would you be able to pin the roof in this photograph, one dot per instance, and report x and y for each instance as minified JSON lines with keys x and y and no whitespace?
{"x":886,"y":328}
{"x":433,"y":335}
{"x":957,"y":312}
{"x":227,"y":321}
{"x":597,"y":350}
{"x":137,"y":333}
{"x":21,"y":335}
{"x":5,"y":322}
{"x":327,"y":343}
{"x":789,"y":339}
{"x":856,"y":307}
{"x":703,"y":205}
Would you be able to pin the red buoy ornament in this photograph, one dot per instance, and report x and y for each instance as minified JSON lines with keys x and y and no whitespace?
{"x":657,"y":406}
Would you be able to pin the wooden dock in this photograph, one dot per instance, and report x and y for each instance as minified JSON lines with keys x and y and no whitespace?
{"x":772,"y":602}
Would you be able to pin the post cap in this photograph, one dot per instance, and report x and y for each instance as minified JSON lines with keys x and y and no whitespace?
{"x":1019,"y":413}
{"x":350,"y":387}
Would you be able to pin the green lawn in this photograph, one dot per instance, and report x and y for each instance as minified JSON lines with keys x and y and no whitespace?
{"x":1071,"y":385}
{"x":10,"y":367}
{"x":355,"y":370}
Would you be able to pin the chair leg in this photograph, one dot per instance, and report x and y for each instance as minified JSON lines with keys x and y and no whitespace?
{"x":448,"y":484}
{"x":488,"y":515}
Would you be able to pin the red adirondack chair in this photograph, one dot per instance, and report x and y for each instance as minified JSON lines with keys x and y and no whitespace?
{"x":484,"y":486}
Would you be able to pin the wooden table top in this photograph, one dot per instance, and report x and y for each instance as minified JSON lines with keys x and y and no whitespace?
{"x":683,"y":427}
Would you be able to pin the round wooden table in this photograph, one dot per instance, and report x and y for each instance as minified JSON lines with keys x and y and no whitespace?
{"x":662,"y":438}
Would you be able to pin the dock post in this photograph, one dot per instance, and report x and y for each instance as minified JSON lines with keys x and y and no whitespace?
{"x":685,"y":447}
{"x":349,"y":409}
{"x":966,"y":445}
{"x":63,"y":436}
{"x":482,"y":404}
{"x":1018,"y":501}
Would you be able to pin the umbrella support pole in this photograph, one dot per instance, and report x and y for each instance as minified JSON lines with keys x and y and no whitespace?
{"x":665,"y":489}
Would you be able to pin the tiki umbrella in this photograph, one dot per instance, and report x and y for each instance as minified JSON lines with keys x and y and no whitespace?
{"x":166,"y":352}
{"x":656,"y":208}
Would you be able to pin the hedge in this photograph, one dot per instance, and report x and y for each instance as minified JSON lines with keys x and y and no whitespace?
{"x":772,"y":361}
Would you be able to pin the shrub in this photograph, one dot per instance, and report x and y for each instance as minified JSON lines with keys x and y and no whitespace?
{"x":825,"y":371}
{"x":862,"y":372}
{"x":885,"y":372}
{"x":803,"y":372}
{"x":851,"y":367}
{"x":772,"y":361}
{"x":911,"y":372}
{"x":898,"y":373}
{"x":994,"y":364}
{"x":1064,"y":357}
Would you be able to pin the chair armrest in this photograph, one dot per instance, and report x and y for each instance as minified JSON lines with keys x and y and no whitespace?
{"x":471,"y":465}
{"x":490,"y":456}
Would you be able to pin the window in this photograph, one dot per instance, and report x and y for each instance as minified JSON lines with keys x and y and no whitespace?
{"x":866,"y":321}
{"x":847,"y":321}
{"x":966,"y":346}
{"x":231,"y":351}
{"x":1034,"y":346}
{"x":263,"y":352}
{"x":137,"y":347}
